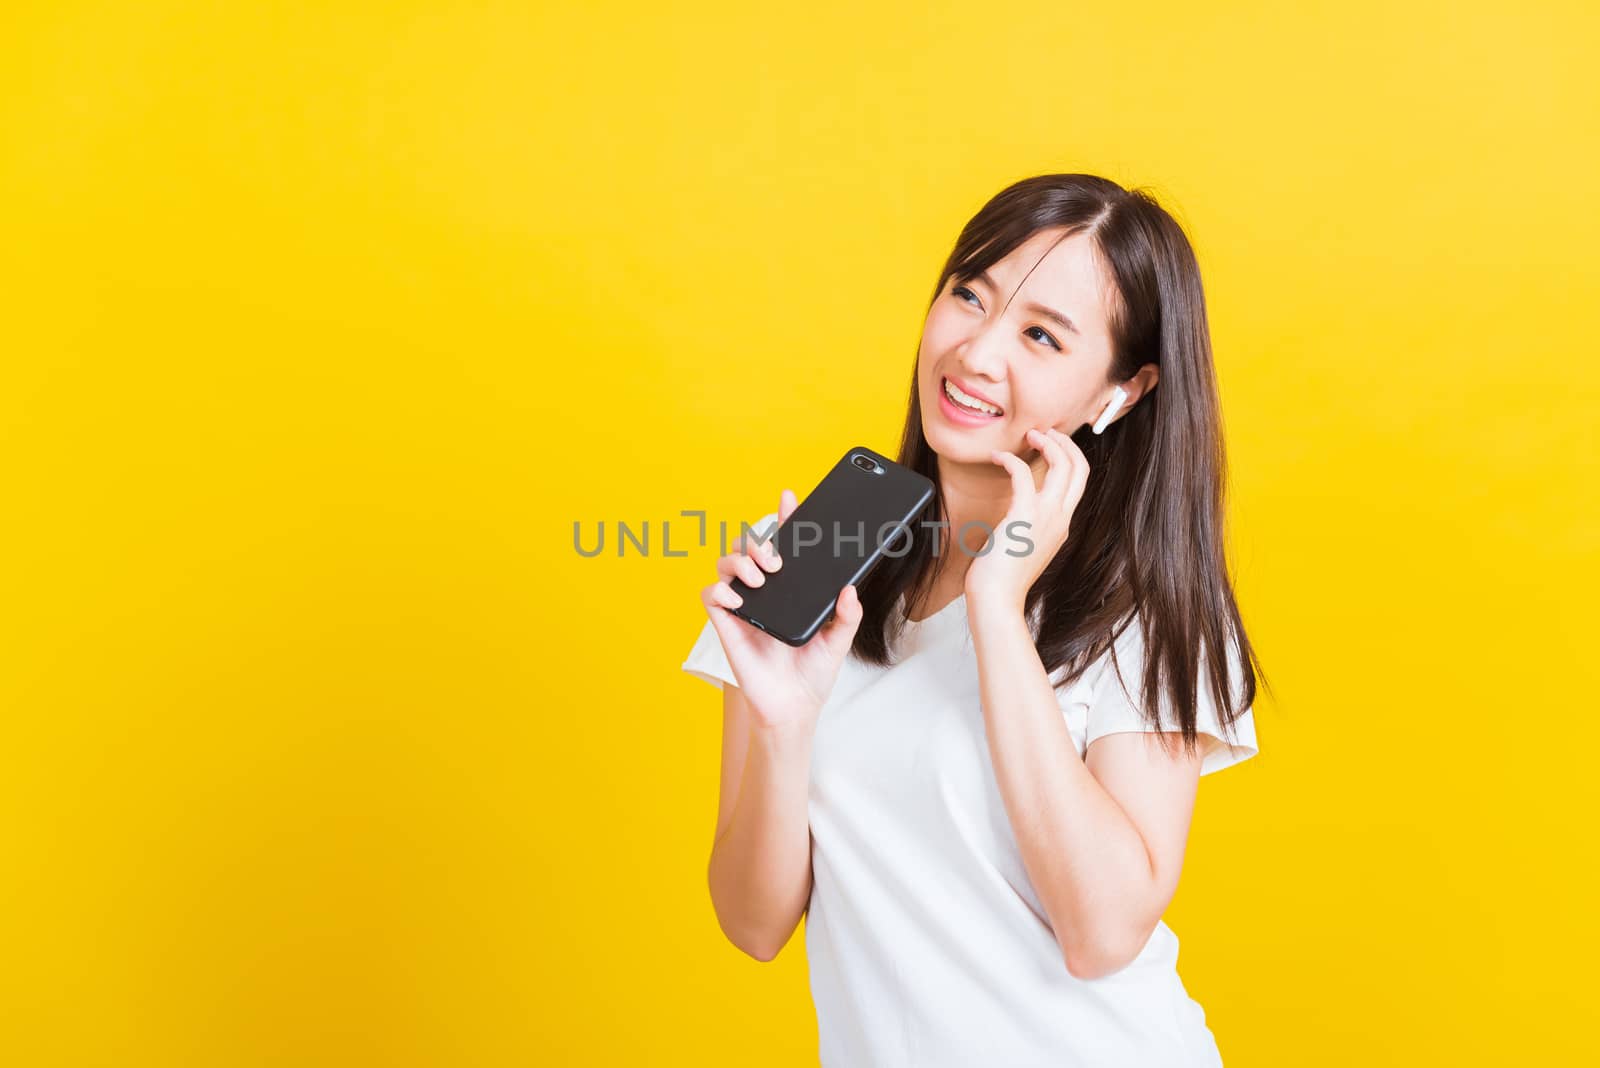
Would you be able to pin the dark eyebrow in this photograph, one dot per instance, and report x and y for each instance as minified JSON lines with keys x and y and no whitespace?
{"x":1035,"y":307}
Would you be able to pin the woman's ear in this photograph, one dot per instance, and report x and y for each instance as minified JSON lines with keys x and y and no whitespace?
{"x":1142,"y":382}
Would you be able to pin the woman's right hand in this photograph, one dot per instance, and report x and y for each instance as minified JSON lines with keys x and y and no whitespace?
{"x":784,"y":686}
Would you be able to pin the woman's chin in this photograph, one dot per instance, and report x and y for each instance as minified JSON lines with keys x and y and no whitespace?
{"x":965,"y":445}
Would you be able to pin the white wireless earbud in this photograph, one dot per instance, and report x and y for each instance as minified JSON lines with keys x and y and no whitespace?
{"x":1113,"y":406}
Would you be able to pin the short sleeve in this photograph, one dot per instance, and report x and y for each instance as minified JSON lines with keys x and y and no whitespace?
{"x":1114,"y":707}
{"x":707,"y":659}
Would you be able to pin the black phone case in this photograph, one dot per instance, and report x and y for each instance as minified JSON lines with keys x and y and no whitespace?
{"x":833,"y":539}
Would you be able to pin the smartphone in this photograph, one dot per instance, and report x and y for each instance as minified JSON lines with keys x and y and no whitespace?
{"x":862,"y":510}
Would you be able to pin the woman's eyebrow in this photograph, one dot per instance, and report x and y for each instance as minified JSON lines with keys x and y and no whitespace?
{"x":1035,"y":307}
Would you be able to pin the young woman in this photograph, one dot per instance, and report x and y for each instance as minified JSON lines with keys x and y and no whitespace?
{"x":976,"y":782}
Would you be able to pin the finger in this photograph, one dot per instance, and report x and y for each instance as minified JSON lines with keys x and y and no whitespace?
{"x":766,"y":554}
{"x":1068,"y":446}
{"x":842,"y":607}
{"x":733,"y":565}
{"x":1038,"y":463}
{"x":1078,"y":477}
{"x":737,"y":636}
{"x":849,"y":603}
{"x":1059,"y":472}
{"x":787,"y":503}
{"x":746,"y":568}
{"x":720,"y":593}
{"x":840,"y":631}
{"x":1022,"y":491}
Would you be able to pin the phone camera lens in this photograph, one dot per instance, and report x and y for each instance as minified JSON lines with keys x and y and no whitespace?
{"x":863,"y":463}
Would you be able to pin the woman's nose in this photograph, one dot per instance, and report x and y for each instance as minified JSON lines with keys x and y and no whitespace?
{"x":983,"y":359}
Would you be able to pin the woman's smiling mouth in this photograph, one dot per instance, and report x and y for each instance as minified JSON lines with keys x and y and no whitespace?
{"x":967,"y":409}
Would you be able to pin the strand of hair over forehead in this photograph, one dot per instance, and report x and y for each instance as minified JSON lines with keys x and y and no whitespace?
{"x":1090,"y":227}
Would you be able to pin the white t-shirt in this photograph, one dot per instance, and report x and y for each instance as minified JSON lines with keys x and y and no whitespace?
{"x":926,"y":942}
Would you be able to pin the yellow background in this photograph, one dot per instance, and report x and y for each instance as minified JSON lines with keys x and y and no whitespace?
{"x":324,"y":322}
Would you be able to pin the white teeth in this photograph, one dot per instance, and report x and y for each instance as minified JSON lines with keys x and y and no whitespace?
{"x":966,"y":400}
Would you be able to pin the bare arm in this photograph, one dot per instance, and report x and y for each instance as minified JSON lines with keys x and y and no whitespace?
{"x":1103,"y":838}
{"x":760,"y":870}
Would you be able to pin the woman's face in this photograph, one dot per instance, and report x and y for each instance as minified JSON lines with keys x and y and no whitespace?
{"x":1002,"y":345}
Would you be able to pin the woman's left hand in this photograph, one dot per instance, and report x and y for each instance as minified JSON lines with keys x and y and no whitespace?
{"x":1044,"y":494}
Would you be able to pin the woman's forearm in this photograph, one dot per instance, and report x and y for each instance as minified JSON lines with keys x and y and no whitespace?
{"x":760,"y":870}
{"x":1083,"y":854}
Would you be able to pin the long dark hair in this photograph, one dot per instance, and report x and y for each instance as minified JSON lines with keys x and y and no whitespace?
{"x":1147,"y":535}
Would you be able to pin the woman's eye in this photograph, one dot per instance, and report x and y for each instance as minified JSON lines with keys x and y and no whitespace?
{"x":1046,"y":337}
{"x":957,"y":291}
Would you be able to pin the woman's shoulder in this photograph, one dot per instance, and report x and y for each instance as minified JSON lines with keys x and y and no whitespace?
{"x":1121,"y":663}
